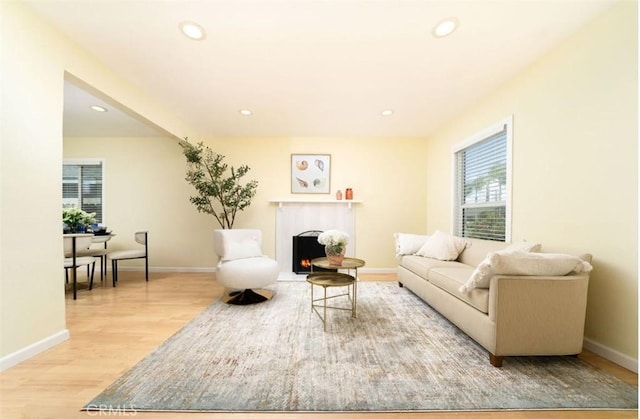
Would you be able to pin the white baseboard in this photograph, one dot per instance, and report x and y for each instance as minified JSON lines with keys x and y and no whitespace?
{"x":179,"y":269}
{"x":27,"y":352}
{"x":366,"y":270}
{"x":164,"y":269}
{"x":291,"y":276}
{"x":213,"y":269}
{"x":611,"y":354}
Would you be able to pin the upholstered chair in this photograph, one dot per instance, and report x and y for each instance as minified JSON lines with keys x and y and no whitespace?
{"x":73,"y":244}
{"x":139,"y":253}
{"x":100,"y":253}
{"x":242,"y":268}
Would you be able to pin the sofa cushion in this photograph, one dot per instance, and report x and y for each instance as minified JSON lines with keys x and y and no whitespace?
{"x":408,"y":244}
{"x":421,"y":266}
{"x":442,"y":246}
{"x":523,"y":264}
{"x":481,"y":276}
{"x":539,"y":264}
{"x":478,"y":249}
{"x":450,"y":279}
{"x":522,"y":246}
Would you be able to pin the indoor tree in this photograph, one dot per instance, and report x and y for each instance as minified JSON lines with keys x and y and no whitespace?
{"x":219,"y":187}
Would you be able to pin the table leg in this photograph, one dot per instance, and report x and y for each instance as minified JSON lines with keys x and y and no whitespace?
{"x":355,"y":296}
{"x":324,"y":319}
{"x":73,"y":251}
{"x":105,"y":265}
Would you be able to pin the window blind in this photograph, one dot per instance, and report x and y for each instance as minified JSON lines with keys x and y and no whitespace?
{"x":481,"y":188}
{"x":82,"y":188}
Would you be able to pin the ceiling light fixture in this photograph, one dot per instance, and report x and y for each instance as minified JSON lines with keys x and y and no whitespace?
{"x":98,"y":108}
{"x":446,"y":27}
{"x":387,"y":112}
{"x":192,"y":31}
{"x":245,"y":112}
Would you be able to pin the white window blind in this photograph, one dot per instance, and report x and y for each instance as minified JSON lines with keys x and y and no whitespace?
{"x":82,"y":187}
{"x":482,"y":190}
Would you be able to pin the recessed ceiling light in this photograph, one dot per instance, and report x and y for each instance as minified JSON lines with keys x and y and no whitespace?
{"x":98,"y":108}
{"x":245,"y":112}
{"x":193,"y":31}
{"x":387,"y":112}
{"x":446,"y":27}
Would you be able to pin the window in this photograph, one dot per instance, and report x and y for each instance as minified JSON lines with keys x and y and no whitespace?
{"x":82,"y":186}
{"x":483,"y":184}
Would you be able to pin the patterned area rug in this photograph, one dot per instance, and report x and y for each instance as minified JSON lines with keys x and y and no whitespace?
{"x":399,"y":354}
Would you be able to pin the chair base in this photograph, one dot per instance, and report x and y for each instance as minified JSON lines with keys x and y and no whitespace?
{"x":246,"y":297}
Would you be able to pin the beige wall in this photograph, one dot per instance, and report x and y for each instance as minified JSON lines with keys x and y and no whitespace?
{"x":30,"y":173}
{"x":145,"y":190}
{"x":33,"y":64}
{"x":575,"y":167}
{"x":386,"y":174}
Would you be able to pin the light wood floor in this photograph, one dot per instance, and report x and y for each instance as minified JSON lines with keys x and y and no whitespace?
{"x":114,"y":328}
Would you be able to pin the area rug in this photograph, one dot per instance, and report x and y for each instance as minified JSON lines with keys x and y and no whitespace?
{"x":398,"y":355}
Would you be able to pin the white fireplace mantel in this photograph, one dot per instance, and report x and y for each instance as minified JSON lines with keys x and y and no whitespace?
{"x":294,"y":216}
{"x":281,"y":202}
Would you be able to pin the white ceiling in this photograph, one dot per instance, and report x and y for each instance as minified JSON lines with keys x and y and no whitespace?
{"x":80,"y":121}
{"x":312,"y":67}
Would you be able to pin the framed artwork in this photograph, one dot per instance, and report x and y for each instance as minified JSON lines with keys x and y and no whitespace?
{"x":310,"y":173}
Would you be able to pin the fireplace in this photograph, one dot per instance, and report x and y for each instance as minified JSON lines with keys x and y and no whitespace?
{"x":296,"y":215}
{"x":306,"y":248}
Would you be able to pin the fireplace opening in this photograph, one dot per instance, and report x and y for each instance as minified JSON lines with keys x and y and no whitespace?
{"x":305,"y":249}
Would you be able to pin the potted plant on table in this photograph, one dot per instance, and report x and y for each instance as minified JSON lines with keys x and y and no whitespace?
{"x":219,"y":193}
{"x":77,"y":220}
{"x":335,"y":245}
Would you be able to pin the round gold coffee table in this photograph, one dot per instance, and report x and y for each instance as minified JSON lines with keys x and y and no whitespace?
{"x":326,"y":280}
{"x":348,"y":264}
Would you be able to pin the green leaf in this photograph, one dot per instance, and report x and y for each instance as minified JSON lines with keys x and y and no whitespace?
{"x":219,"y":193}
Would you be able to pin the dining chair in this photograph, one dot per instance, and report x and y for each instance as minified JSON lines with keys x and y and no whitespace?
{"x":141,"y":238}
{"x":100,"y":253}
{"x":72,"y":244}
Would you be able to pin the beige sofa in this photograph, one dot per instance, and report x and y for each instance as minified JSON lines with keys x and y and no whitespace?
{"x":515,"y":316}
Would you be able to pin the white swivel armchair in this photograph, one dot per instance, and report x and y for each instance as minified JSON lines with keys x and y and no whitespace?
{"x":243,"y":269}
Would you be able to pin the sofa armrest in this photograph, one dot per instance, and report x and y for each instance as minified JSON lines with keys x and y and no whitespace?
{"x":541,"y":315}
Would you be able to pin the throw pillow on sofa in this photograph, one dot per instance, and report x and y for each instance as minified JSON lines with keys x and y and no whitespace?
{"x":522,"y":247}
{"x":408,"y":244}
{"x":537,"y":264}
{"x":442,"y":246}
{"x":524,"y":264}
{"x":481,"y":276}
